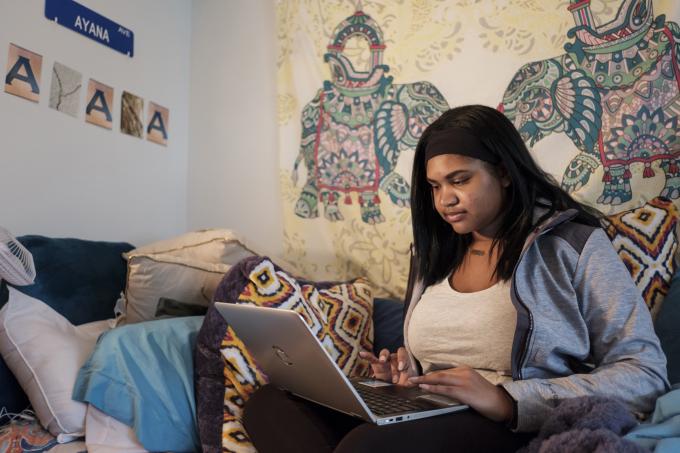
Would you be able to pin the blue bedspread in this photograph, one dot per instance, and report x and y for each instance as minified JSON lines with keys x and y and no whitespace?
{"x":142,"y":375}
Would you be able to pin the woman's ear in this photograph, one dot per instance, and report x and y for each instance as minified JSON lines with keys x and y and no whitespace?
{"x":504,"y":176}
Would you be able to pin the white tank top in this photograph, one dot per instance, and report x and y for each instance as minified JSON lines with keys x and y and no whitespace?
{"x":448,"y":328}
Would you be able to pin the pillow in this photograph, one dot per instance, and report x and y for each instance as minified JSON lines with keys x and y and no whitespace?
{"x":210,"y":246}
{"x":142,"y":375}
{"x":155,"y":276}
{"x":45,"y":351}
{"x":645,"y":240}
{"x":79,"y":279}
{"x":667,"y":327}
{"x":340,"y":314}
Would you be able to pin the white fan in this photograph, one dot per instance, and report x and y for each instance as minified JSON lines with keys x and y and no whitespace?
{"x":16,"y":263}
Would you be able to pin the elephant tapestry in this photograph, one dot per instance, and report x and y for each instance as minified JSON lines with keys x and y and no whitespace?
{"x":592,"y":86}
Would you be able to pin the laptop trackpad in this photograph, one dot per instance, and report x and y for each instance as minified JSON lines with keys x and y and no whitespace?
{"x":375,"y":383}
{"x":412,"y":393}
{"x":439,"y":399}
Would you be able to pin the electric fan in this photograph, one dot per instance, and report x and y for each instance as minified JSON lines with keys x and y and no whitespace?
{"x":16,"y":263}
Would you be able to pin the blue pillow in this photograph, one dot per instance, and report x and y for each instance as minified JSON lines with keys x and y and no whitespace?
{"x":667,"y":327}
{"x":388,"y":324}
{"x":79,"y":279}
{"x":143,"y":376}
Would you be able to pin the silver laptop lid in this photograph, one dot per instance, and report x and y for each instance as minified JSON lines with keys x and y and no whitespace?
{"x":292,"y":357}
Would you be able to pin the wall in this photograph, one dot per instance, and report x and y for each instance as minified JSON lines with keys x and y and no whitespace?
{"x":233,"y":169}
{"x":60,"y":176}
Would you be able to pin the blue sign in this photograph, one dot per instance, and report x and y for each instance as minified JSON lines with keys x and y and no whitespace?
{"x":91,"y":24}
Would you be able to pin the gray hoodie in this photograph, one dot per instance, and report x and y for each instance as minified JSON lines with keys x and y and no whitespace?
{"x":582,"y":325}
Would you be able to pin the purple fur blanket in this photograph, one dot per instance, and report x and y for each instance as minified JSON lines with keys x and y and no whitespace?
{"x":586,"y":424}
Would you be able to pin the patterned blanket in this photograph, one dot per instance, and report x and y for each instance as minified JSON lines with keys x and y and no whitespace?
{"x":26,"y":435}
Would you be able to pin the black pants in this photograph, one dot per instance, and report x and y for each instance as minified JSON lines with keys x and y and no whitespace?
{"x":279,"y":422}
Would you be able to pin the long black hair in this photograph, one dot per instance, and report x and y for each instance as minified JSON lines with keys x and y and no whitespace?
{"x":439,"y":250}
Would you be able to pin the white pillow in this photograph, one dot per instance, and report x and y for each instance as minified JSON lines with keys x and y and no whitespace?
{"x":210,"y":246}
{"x":45,"y":352}
{"x":153,"y":276}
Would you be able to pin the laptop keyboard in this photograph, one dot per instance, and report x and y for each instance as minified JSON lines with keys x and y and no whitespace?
{"x":382,"y":404}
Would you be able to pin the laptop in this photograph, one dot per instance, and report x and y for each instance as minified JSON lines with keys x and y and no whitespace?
{"x":294,"y":360}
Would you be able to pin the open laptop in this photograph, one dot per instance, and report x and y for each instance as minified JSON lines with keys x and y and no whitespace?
{"x":294,"y":360}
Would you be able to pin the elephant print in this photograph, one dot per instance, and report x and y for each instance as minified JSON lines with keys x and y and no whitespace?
{"x":356,"y":127}
{"x":615,"y":93}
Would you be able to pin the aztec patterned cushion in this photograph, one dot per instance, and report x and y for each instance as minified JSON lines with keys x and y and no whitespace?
{"x":340,"y":314}
{"x":645,"y":240}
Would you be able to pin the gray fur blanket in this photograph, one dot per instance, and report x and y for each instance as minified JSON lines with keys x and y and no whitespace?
{"x":586,"y":424}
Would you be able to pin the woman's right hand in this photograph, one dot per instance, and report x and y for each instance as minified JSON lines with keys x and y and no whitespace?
{"x":392,"y":367}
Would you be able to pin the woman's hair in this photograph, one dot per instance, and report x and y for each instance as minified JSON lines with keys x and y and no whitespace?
{"x":439,"y":250}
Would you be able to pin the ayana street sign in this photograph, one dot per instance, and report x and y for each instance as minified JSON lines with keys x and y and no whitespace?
{"x":83,"y":20}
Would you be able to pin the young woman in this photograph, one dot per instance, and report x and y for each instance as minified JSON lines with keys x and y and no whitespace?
{"x":516,"y":300}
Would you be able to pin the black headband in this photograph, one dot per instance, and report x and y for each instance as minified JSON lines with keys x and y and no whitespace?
{"x":458,"y":141}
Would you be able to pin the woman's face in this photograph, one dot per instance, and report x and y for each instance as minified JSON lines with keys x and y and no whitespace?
{"x":467,"y":193}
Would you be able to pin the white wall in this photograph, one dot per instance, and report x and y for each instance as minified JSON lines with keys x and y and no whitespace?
{"x":60,"y":176}
{"x":213,"y":59}
{"x":234,"y":164}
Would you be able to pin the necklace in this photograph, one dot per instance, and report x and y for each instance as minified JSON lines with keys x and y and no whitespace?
{"x":477,"y":252}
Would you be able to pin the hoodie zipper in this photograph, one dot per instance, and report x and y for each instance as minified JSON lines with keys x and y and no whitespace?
{"x":530,"y":329}
{"x":527,"y":337}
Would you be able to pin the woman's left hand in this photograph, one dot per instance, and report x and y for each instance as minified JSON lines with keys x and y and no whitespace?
{"x":469,"y":387}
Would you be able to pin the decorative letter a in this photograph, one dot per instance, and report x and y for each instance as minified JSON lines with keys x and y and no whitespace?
{"x":157,"y":118}
{"x":28,"y":78}
{"x":102,"y":107}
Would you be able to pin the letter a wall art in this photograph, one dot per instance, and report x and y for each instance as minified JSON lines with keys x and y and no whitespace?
{"x":99,"y":103}
{"x":23,"y":79}
{"x":157,"y":127}
{"x":23,"y":73}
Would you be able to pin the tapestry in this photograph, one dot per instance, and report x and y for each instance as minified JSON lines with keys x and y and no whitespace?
{"x":592,"y":86}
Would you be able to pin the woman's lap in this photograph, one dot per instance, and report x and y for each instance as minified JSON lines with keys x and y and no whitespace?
{"x":277,"y":421}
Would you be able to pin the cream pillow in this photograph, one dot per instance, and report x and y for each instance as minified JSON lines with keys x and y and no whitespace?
{"x":210,"y":246}
{"x":45,"y":351}
{"x":153,"y":276}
